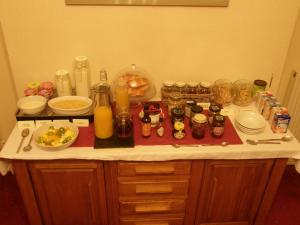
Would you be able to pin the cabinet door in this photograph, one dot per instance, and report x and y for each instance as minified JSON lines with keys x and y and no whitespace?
{"x":231,"y":191}
{"x":70,"y":193}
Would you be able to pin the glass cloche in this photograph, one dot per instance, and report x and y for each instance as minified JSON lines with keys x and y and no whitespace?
{"x":139,"y":82}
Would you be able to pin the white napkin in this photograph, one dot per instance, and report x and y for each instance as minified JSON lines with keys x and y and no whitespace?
{"x":5,"y":167}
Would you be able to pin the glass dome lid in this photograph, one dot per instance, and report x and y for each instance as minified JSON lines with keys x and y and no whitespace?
{"x":140,"y":86}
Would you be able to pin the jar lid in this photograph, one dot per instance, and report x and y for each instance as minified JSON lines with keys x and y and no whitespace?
{"x":219,"y":118}
{"x":168,"y":83}
{"x":177,"y":112}
{"x":190,"y":102}
{"x":200,"y":118}
{"x":214,"y":108}
{"x":205,"y":84}
{"x":261,"y":83}
{"x":192,"y":84}
{"x":180,"y":84}
{"x":196,"y":109}
{"x":178,"y":125}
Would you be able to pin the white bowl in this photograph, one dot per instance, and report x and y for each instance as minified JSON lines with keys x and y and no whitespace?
{"x":72,"y":109}
{"x":32,"y":104}
{"x":251,"y":119}
{"x":44,"y":128}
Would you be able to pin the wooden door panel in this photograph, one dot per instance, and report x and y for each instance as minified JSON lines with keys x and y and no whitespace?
{"x":69,"y":194}
{"x":232,"y":190}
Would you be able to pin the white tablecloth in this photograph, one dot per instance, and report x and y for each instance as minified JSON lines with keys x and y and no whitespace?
{"x":161,"y":153}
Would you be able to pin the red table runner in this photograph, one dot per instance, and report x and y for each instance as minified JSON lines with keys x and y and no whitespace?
{"x":86,"y":134}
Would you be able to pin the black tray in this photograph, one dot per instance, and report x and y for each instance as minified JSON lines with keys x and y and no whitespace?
{"x":48,"y":114}
{"x":114,"y":142}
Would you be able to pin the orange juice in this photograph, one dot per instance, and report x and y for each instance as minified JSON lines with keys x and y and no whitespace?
{"x":103,"y":122}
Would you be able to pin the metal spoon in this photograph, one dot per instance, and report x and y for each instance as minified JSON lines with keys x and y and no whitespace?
{"x":284,"y":138}
{"x":28,"y":147}
{"x":24,"y":133}
{"x":254,"y":142}
{"x":178,"y":145}
{"x":224,"y":143}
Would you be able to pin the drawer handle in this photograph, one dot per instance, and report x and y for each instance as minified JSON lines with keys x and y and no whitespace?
{"x":153,"y":189}
{"x":151,"y":169}
{"x":153,"y":207}
{"x":151,"y":223}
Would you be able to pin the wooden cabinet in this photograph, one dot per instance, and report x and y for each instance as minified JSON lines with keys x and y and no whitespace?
{"x":232,"y":191}
{"x":70,"y":193}
{"x":147,"y":193}
{"x":199,"y":192}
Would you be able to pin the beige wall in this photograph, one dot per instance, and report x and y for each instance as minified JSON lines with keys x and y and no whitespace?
{"x":292,"y":63}
{"x":248,"y":39}
{"x":7,"y":93}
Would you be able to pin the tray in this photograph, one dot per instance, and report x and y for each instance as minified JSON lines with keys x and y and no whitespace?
{"x":114,"y":142}
{"x":48,"y":114}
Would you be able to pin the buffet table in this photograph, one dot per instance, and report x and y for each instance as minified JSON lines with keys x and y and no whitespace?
{"x":161,"y":184}
{"x":165,"y":152}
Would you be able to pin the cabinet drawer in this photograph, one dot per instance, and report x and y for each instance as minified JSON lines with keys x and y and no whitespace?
{"x":154,"y":221}
{"x":154,"y":168}
{"x":153,"y":188}
{"x":152,"y":207}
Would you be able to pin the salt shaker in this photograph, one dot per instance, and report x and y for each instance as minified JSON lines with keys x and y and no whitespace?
{"x":81,"y":72}
{"x":63,"y":83}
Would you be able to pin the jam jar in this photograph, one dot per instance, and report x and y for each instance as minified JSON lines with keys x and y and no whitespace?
{"x":177,"y":115}
{"x":195,"y":109}
{"x":192,"y":87}
{"x":181,"y":87}
{"x":175,"y":101}
{"x":217,"y":128}
{"x":188,"y":107}
{"x":213,"y":109}
{"x":178,"y":130}
{"x":199,"y":122}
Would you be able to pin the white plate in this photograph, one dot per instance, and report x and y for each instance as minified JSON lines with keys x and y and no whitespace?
{"x":251,"y":119}
{"x":248,"y":131}
{"x":70,"y":111}
{"x":42,"y":129}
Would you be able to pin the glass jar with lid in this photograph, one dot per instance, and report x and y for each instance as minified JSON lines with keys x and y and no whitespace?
{"x":180,"y":87}
{"x":204,"y":87}
{"x":177,"y":115}
{"x":174,"y":101}
{"x":213,"y":110}
{"x":199,"y":126}
{"x":195,"y":109}
{"x":192,"y":87}
{"x":223,"y":91}
{"x":217,"y":128}
{"x":243,"y":90}
{"x":167,"y":88}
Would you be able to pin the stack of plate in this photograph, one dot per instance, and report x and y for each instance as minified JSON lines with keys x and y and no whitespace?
{"x":250,"y":122}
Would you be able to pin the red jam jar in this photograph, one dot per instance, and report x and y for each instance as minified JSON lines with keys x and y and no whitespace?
{"x":199,"y":122}
{"x":217,"y":128}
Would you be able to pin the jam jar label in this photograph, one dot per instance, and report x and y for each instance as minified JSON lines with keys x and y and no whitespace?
{"x":218,"y":131}
{"x":179,"y":134}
